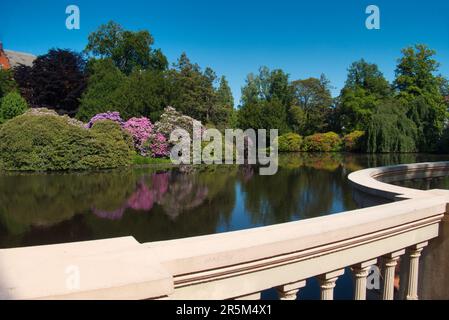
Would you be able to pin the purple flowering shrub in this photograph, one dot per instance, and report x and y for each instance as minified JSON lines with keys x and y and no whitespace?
{"x":113,"y":116}
{"x":140,"y":129}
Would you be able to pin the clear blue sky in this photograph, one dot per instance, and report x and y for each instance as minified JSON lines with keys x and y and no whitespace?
{"x":305,"y":38}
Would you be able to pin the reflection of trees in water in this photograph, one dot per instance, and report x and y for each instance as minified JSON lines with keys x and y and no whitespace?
{"x":306,"y":185}
{"x":290,"y":194}
{"x":45,"y":199}
{"x":194,"y":204}
{"x":143,"y":198}
{"x":138,"y":202}
{"x":156,"y":205}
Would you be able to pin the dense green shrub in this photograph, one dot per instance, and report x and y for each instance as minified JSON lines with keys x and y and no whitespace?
{"x":353,"y":142}
{"x":50,"y":142}
{"x":322,"y":142}
{"x":289,"y":142}
{"x":11,"y":106}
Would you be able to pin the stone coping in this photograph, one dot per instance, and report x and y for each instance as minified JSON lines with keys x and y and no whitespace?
{"x":374,"y":181}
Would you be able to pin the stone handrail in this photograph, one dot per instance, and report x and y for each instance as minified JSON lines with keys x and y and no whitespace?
{"x":241,"y":264}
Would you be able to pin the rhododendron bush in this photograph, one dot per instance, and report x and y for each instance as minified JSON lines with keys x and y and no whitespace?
{"x":140,"y":130}
{"x":146,"y":141}
{"x":113,"y":116}
{"x":172,"y":119}
{"x":158,"y":145}
{"x":151,"y":140}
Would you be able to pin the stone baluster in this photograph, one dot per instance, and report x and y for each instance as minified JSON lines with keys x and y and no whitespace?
{"x":414,"y":254}
{"x":327,"y":283}
{"x":360,"y":272}
{"x":290,"y":291}
{"x":388,"y":268}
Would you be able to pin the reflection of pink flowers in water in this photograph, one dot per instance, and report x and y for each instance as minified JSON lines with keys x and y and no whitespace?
{"x":142,"y":199}
{"x":160,"y":185}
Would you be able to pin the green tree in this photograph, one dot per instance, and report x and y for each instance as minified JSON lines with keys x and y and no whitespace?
{"x":224,"y":94}
{"x":268,"y":85}
{"x":127,"y":49}
{"x":266,"y":101}
{"x":103,"y":89}
{"x":314,"y":99}
{"x":192,"y":91}
{"x":7,"y":83}
{"x":142,"y":93}
{"x":364,"y":90}
{"x":419,"y":88}
{"x":390,"y":130}
{"x":263,"y":115}
{"x":225,"y":102}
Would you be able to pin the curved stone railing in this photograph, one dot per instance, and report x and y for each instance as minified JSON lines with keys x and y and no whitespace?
{"x":375,"y":181}
{"x":242,"y":264}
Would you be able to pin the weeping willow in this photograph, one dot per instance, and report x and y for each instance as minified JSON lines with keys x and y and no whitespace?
{"x":390,"y":130}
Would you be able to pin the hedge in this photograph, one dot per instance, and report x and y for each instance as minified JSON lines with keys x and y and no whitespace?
{"x":49,"y":142}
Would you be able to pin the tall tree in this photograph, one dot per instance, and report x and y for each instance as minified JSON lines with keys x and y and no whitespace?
{"x":362,"y":74}
{"x":225,"y":102}
{"x":313,"y":97}
{"x":364,"y":90}
{"x":266,"y":100}
{"x":128,"y":49}
{"x":55,"y":81}
{"x":192,"y":90}
{"x":268,"y":85}
{"x":142,"y":93}
{"x":224,"y":94}
{"x":103,"y":89}
{"x":419,"y":88}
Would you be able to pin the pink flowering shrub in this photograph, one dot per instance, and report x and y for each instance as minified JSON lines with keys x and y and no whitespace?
{"x":140,"y":129}
{"x":113,"y":116}
{"x":158,"y":146}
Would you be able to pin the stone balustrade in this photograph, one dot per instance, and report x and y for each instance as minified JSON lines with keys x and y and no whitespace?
{"x":242,"y":264}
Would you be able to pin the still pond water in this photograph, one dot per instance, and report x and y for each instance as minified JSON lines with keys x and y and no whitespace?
{"x":154,"y":204}
{"x":160,"y":204}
